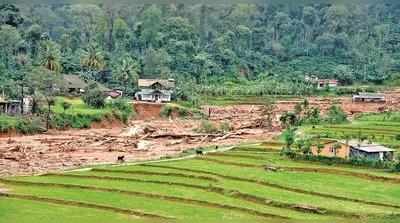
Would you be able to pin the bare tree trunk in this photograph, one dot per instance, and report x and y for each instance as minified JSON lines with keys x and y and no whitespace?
{"x":48,"y":115}
{"x":22,"y":99}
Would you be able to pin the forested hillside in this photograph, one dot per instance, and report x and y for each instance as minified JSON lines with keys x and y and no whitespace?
{"x":277,"y":45}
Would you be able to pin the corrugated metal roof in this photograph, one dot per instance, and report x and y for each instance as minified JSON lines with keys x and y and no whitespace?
{"x":170,"y":83}
{"x":369,"y":148}
{"x":369,"y":95}
{"x":328,"y":81}
{"x":74,"y":81}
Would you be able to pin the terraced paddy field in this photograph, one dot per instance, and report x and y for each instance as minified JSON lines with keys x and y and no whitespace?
{"x":383,"y":128}
{"x":229,"y":186}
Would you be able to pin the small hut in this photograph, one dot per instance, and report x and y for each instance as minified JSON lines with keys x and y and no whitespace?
{"x":369,"y":97}
{"x":370,"y":151}
{"x":10,"y":107}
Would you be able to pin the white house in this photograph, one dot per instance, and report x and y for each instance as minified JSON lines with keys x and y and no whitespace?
{"x":155,"y":90}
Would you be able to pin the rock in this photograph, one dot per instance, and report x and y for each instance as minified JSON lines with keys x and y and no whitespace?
{"x":271,"y":168}
{"x":309,"y":208}
{"x":144,"y":145}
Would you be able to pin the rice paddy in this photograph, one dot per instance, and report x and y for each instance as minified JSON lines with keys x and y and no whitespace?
{"x":226,"y":186}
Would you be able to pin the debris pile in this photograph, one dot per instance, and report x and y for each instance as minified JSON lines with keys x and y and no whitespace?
{"x":141,"y":140}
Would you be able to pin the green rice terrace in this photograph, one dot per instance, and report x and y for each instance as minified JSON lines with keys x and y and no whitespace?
{"x":382,"y":128}
{"x":250,"y":183}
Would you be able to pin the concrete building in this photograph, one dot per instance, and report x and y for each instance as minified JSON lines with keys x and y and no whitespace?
{"x":368,"y":97}
{"x":10,"y":107}
{"x":326,"y":83}
{"x":370,"y":151}
{"x":155,"y":90}
{"x":353,"y":149}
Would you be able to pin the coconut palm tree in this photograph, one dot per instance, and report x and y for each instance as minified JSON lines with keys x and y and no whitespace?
{"x":127,"y":71}
{"x":50,"y":56}
{"x":92,"y":58}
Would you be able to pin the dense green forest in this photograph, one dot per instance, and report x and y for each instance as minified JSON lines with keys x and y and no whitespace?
{"x":268,"y":48}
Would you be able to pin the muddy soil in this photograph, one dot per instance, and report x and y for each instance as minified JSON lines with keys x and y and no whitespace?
{"x":150,"y":137}
{"x":62,"y":150}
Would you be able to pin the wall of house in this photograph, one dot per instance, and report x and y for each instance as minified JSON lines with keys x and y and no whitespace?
{"x":147,"y":97}
{"x":354,"y":153}
{"x":151,"y":97}
{"x":327,"y":151}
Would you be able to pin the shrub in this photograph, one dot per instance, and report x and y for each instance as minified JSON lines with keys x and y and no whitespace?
{"x":75,"y":120}
{"x":183,"y":112}
{"x":29,"y":126}
{"x":94,"y":98}
{"x":166,"y":111}
{"x":225,"y":127}
{"x":66,"y":105}
{"x":336,"y":115}
{"x":207,"y":127}
{"x":397,"y":167}
{"x":122,"y":109}
{"x":21,"y":125}
{"x":336,"y":160}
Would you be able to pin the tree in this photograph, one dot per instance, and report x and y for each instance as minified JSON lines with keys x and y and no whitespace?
{"x":92,"y":59}
{"x":307,"y":147}
{"x":120,"y":33}
{"x":336,"y":115}
{"x":10,"y":15}
{"x":344,"y":74}
{"x":151,"y":23}
{"x":33,"y":35}
{"x":9,"y":39}
{"x":336,"y":147}
{"x":289,"y":137}
{"x":50,"y":56}
{"x":320,"y":147}
{"x":267,"y":113}
{"x":156,"y":64}
{"x":94,"y":97}
{"x":46,"y":85}
{"x":126,"y":72}
{"x":21,"y":76}
{"x":288,"y":119}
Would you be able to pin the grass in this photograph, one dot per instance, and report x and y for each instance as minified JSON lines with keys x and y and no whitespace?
{"x":211,"y":188}
{"x":382,"y":128}
{"x":80,"y":115}
{"x":77,"y":115}
{"x":20,"y":124}
{"x":182,"y":110}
